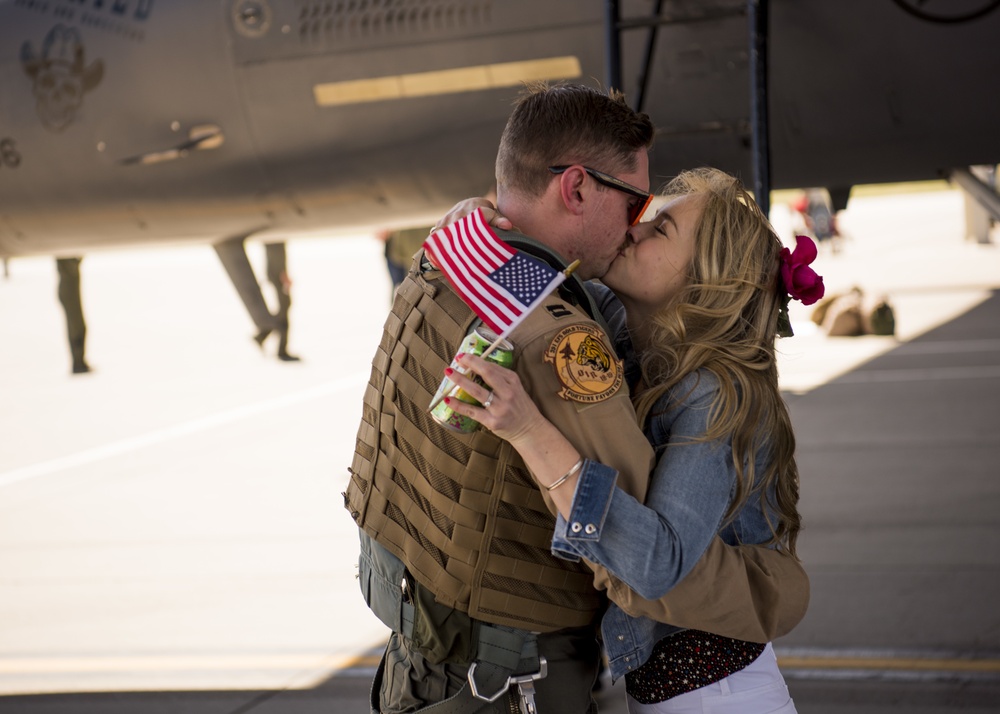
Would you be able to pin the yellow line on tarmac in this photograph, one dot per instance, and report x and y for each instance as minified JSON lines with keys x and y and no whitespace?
{"x":801,"y":662}
{"x":804,"y":662}
{"x":362,"y":662}
{"x":180,"y":663}
{"x":891,"y":663}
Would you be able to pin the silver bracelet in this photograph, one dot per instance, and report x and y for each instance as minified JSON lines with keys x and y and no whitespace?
{"x":562,"y":479}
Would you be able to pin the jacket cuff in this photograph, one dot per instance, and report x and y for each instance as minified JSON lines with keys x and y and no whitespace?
{"x":561,"y":547}
{"x":591,"y":500}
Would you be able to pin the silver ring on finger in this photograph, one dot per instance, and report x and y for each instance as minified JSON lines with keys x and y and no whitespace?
{"x":489,"y":400}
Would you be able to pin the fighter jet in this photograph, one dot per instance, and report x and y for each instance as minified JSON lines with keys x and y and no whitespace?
{"x":143,"y":121}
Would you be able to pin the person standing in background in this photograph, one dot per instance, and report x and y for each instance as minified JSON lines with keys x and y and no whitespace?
{"x":69,"y":296}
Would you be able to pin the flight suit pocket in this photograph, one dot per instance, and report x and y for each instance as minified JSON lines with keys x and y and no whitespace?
{"x":381,"y":576}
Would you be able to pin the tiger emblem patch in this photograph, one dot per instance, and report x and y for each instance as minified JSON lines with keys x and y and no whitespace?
{"x":587,"y":369}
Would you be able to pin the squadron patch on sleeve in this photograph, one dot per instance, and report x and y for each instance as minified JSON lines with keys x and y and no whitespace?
{"x":587,"y":368}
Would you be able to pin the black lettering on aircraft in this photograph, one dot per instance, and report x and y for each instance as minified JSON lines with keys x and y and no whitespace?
{"x":9,"y":156}
{"x":33,"y":5}
{"x":117,"y":7}
{"x":66,"y":10}
{"x":143,"y":9}
{"x":60,"y":76}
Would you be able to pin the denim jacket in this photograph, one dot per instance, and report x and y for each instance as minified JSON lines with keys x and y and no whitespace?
{"x":652,"y":546}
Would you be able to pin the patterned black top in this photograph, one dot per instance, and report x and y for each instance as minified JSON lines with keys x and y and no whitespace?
{"x":686,"y":661}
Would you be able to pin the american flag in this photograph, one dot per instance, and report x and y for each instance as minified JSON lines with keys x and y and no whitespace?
{"x":500,"y":284}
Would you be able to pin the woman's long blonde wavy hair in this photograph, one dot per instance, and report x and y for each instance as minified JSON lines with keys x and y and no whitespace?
{"x":725,"y":320}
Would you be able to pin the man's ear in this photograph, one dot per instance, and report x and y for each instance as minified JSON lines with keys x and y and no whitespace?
{"x":573,"y":188}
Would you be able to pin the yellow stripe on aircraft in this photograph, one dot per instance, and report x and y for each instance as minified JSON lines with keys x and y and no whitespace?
{"x":447,"y":81}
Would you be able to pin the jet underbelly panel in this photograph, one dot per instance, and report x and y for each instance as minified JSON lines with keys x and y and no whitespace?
{"x":127,"y":127}
{"x":391,"y":112}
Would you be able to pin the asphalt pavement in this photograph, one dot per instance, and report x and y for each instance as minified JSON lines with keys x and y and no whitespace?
{"x":171,"y":538}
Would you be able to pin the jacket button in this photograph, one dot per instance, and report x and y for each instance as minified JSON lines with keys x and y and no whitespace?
{"x":591,"y":529}
{"x":576,"y":527}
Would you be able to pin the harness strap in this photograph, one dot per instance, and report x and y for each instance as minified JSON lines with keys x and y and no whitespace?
{"x":502,"y":652}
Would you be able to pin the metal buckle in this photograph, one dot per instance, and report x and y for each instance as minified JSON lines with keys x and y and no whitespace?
{"x":543,"y":670}
{"x":475,"y":690}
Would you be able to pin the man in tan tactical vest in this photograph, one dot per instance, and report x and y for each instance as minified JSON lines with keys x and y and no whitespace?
{"x":455,"y":536}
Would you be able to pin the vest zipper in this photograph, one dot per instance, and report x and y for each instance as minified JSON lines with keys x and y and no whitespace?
{"x":514,"y":701}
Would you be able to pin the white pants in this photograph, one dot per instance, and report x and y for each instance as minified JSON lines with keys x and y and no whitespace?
{"x":758,"y":688}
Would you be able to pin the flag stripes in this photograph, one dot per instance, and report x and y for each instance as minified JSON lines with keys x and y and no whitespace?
{"x":469,"y":253}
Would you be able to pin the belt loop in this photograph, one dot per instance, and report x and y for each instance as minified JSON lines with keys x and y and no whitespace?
{"x":406,"y":619}
{"x":506,"y":646}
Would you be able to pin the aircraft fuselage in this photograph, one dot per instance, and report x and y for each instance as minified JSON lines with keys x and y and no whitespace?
{"x":139,"y":121}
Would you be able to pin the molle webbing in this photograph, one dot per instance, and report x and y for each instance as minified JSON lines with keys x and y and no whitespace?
{"x":461,"y":510}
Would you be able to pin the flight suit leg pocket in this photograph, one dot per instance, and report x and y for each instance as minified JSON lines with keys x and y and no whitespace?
{"x":381,"y":576}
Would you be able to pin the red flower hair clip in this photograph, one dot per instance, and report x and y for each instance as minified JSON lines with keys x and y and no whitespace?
{"x":797,"y":280}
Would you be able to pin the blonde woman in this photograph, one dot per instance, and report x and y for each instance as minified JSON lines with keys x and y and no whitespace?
{"x":698,"y":295}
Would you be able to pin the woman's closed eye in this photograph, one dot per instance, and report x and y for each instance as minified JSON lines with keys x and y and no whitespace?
{"x":665,"y":222}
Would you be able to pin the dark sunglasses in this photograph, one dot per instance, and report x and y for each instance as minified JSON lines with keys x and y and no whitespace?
{"x":635,"y":210}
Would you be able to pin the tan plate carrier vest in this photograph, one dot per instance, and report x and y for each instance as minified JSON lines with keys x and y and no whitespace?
{"x":460,"y":510}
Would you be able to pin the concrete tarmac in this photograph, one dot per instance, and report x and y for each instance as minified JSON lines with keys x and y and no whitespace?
{"x":171,"y":531}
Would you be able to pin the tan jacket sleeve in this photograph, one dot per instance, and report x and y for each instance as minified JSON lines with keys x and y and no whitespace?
{"x":569,"y":367}
{"x":747,"y":592}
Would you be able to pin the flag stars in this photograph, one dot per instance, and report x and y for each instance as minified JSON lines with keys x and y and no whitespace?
{"x":500,"y":285}
{"x":523,"y":277}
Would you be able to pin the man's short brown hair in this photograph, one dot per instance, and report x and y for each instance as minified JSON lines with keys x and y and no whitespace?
{"x":568,"y":124}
